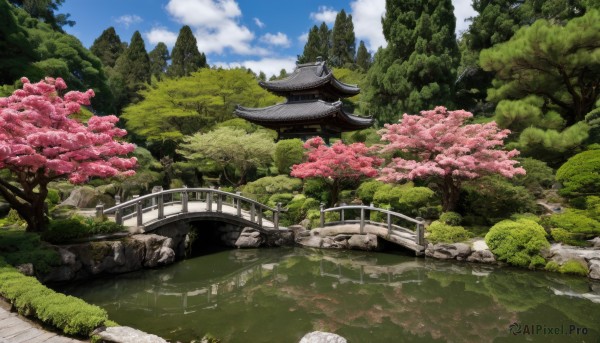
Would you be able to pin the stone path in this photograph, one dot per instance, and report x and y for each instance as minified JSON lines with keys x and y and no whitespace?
{"x":16,"y":329}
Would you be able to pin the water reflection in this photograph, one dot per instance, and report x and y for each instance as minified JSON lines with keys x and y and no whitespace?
{"x":280,"y":294}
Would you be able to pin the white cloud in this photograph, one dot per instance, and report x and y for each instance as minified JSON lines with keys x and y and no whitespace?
{"x":325,"y":14}
{"x":161,"y":34}
{"x":216,"y":26}
{"x":269,"y":66}
{"x":259,"y":23}
{"x":279,"y":39}
{"x":366,"y":16}
{"x":462,"y":11}
{"x":128,"y":19}
{"x":303,"y":38}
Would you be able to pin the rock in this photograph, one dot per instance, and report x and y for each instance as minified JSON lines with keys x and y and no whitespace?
{"x":178,"y":232}
{"x":562,"y":253}
{"x":594,"y":267}
{"x":26,"y":269}
{"x":157,"y":249}
{"x":279,"y":238}
{"x":249,"y":238}
{"x":595,"y":242}
{"x":479,"y":245}
{"x":322,"y":337}
{"x":310,"y":241}
{"x":482,"y":256}
{"x":125,"y":334}
{"x":363,"y":242}
{"x":446,"y":251}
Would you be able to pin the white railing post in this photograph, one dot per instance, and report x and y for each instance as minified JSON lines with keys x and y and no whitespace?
{"x":161,"y":205}
{"x":184,"y":200}
{"x":100,"y":210}
{"x":362,"y":220}
{"x":259,"y":214}
{"x":209,"y":199}
{"x":322,"y":217}
{"x":252,"y":212}
{"x":389,"y":223}
{"x":276,"y":216}
{"x":342,"y":219}
{"x":139,"y":210}
{"x":420,"y":238}
{"x":118,"y":215}
{"x":219,"y":202}
{"x":238,"y":203}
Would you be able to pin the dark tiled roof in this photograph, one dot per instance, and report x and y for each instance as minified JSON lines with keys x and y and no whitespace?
{"x":310,"y":76}
{"x":304,"y":113}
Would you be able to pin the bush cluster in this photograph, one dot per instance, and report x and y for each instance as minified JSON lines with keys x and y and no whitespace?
{"x":571,"y":227}
{"x":71,"y":315}
{"x":405,"y":199}
{"x":63,"y":230}
{"x":440,"y":232}
{"x":569,"y":267}
{"x":518,"y":242}
{"x":580,"y":175}
{"x":262,"y":189}
{"x":18,"y":247}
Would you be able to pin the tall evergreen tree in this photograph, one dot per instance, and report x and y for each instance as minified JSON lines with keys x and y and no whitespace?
{"x":185,"y":57}
{"x":108,"y":47}
{"x":133,"y":66}
{"x":158,"y":60}
{"x":363,"y":57}
{"x":417,"y":70}
{"x":343,"y":40}
{"x":324,"y":41}
{"x":312,"y":48}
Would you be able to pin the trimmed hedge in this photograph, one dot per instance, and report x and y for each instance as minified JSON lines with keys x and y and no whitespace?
{"x":518,"y":242}
{"x":63,"y":230}
{"x":71,"y":315}
{"x":440,"y":232}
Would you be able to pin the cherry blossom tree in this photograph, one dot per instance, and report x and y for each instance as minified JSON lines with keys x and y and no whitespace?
{"x":438,"y":147}
{"x":337,"y":164}
{"x":39,"y":143}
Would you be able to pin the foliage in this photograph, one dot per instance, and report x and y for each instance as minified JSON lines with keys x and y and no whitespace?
{"x":566,"y":237}
{"x":287,"y":153}
{"x":440,"y":232}
{"x":494,"y":198}
{"x":450,"y":218}
{"x":189,"y":104}
{"x":337,"y":165}
{"x":575,"y":222}
{"x":445,"y":151}
{"x":71,"y":315}
{"x":366,"y":191}
{"x":19,"y":247}
{"x":404,"y":199}
{"x":134,"y":67}
{"x":39,"y":143}
{"x":518,"y":242}
{"x":185,"y":57}
{"x":363,"y":57}
{"x":45,"y":10}
{"x":147,"y":174}
{"x":580,"y":175}
{"x":343,"y":41}
{"x":538,"y":176}
{"x":65,"y":230}
{"x":262,"y":189}
{"x":159,"y":58}
{"x":317,"y":44}
{"x":417,"y":69}
{"x":34,"y":49}
{"x":229,"y":147}
{"x":108,"y":47}
{"x":318,"y":189}
{"x":573,"y":267}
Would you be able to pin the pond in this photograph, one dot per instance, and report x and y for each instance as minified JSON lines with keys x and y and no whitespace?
{"x":278,"y":295}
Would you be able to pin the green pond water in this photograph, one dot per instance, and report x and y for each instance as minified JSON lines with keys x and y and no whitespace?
{"x":278,"y":295}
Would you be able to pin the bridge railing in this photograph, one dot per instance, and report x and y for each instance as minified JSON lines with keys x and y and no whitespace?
{"x":213,"y":198}
{"x":389,"y":223}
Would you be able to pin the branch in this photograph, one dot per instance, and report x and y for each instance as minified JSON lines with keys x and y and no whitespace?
{"x":15,"y":191}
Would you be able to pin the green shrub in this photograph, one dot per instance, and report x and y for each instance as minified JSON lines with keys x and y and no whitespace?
{"x":494,"y":198}
{"x":13,"y":218}
{"x":451,"y":218}
{"x":287,"y":153}
{"x":263,"y":188}
{"x":440,"y":232}
{"x":538,"y":178}
{"x":71,"y":315}
{"x":367,"y":189}
{"x":318,"y":189}
{"x":18,"y":247}
{"x":64,"y":230}
{"x":580,"y":175}
{"x":405,"y":199}
{"x":574,"y":267}
{"x":283,"y":198}
{"x":552,"y":266}
{"x":53,"y":197}
{"x":529,"y":216}
{"x":346,"y":196}
{"x":575,"y":222}
{"x":518,"y":242}
{"x":566,"y":237}
{"x":315,"y":217}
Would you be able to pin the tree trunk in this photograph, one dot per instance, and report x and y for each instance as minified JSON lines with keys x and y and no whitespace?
{"x":29,"y":204}
{"x":335,"y":191}
{"x":450,"y":194}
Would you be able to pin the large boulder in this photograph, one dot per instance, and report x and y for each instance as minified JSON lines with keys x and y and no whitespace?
{"x":125,"y":334}
{"x":366,"y":242}
{"x":249,"y":238}
{"x":88,"y":197}
{"x":446,"y":251}
{"x":482,"y":256}
{"x":594,"y":267}
{"x":158,"y":249}
{"x":322,"y":337}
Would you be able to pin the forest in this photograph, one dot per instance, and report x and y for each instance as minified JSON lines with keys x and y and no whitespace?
{"x":526,"y":72}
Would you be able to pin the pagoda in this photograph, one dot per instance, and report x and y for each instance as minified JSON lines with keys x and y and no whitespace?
{"x":313,"y":106}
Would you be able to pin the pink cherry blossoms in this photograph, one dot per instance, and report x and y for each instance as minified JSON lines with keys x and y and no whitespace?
{"x":441,"y":148}
{"x":37,"y":135}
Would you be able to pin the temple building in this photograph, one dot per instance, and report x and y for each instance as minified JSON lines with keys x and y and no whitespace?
{"x":313,"y":106}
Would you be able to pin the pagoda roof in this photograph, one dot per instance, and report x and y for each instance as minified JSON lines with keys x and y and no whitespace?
{"x":304,"y":113}
{"x":310,"y":76}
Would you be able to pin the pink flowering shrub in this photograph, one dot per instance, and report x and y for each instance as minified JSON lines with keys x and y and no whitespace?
{"x":39,"y":143}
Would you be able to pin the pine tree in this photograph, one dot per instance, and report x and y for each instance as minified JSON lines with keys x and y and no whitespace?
{"x":185,"y":57}
{"x":324,"y":41}
{"x":133,"y":67}
{"x":343,"y":41}
{"x":417,"y":70}
{"x":363,"y":57}
{"x":312,"y":48}
{"x":108,"y":47}
{"x":158,"y":60}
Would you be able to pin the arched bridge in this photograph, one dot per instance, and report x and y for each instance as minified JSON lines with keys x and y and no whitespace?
{"x":154,"y":210}
{"x":388,"y":227}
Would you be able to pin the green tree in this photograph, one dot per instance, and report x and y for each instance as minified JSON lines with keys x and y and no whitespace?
{"x":287,"y":153}
{"x":312,"y":48}
{"x":108,"y":47}
{"x":44,"y":10}
{"x":548,"y":75}
{"x":158,"y":60}
{"x":185,"y":57}
{"x":417,"y":69}
{"x":324,"y":41}
{"x":363,"y":57}
{"x":343,"y":41}
{"x":134,"y":67}
{"x":229,"y":147}
{"x":174,"y":108}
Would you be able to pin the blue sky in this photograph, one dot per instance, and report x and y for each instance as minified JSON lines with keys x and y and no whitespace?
{"x":258,"y":34}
